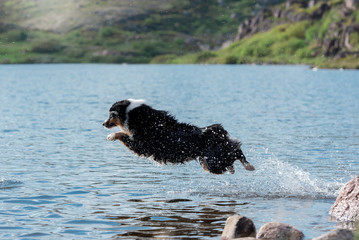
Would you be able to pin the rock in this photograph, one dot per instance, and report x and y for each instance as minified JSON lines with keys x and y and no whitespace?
{"x":277,"y":12}
{"x":319,"y":12}
{"x":279,"y":231}
{"x":226,"y":44}
{"x":353,"y":28}
{"x":238,"y":227}
{"x":289,"y":3}
{"x":337,"y":234}
{"x":259,"y":23}
{"x":235,"y":16}
{"x":246,"y":238}
{"x":346,"y":206}
{"x":243,"y":30}
{"x":312,"y":3}
{"x":267,"y":19}
{"x":300,"y":17}
{"x":351,"y":4}
{"x":331,"y":43}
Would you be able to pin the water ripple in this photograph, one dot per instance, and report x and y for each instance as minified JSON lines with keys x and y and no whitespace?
{"x":60,"y":176}
{"x":8,"y":184}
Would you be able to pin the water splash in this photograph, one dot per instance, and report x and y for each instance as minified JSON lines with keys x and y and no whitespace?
{"x":273,"y":178}
{"x":278,"y":178}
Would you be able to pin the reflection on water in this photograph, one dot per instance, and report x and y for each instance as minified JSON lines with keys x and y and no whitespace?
{"x":61,"y":179}
{"x":179,"y":220}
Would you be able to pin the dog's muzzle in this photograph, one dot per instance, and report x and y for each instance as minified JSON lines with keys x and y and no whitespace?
{"x":108,"y":124}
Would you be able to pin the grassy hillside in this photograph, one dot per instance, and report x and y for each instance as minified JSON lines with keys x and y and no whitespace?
{"x":325,"y":34}
{"x":133,"y":31}
{"x":302,"y":42}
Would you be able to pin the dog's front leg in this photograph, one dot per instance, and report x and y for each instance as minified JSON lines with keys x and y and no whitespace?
{"x":123,"y":137}
{"x":117,"y":136}
{"x":130,"y":143}
{"x":134,"y":145}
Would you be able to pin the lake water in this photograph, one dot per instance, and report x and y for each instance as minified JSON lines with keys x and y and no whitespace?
{"x":61,"y":179}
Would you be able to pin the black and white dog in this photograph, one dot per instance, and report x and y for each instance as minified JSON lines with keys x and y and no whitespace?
{"x":153,"y":133}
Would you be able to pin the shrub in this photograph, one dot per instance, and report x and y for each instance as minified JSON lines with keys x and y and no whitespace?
{"x":356,"y":15}
{"x":47,"y":46}
{"x":354,"y":39}
{"x":202,"y":57}
{"x":297,"y":30}
{"x":166,"y":58}
{"x":312,"y":32}
{"x":106,"y":32}
{"x":149,"y":49}
{"x":246,"y":51}
{"x":15,"y":36}
{"x":288,"y":47}
{"x":304,"y":53}
{"x":230,"y":60}
{"x":75,"y":52}
{"x":262,"y":47}
{"x":324,"y":26}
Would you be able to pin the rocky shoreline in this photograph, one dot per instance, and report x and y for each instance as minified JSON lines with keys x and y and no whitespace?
{"x":345,"y":210}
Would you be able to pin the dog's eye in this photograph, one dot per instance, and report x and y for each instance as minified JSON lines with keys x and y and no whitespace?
{"x":113,"y":114}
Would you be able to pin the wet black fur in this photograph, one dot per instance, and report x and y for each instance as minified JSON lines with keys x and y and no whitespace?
{"x":157,"y":134}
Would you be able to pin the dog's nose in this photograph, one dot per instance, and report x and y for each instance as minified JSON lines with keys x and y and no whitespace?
{"x":103,"y":124}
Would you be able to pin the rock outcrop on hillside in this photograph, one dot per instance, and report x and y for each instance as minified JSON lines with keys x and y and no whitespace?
{"x":336,"y":40}
{"x":272,"y":17}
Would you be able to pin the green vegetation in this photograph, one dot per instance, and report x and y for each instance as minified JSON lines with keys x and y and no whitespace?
{"x":289,"y":43}
{"x":282,"y":44}
{"x":115,"y":31}
{"x":178,"y":31}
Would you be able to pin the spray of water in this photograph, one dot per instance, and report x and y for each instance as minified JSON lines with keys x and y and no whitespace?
{"x":282,"y":179}
{"x":273,"y":178}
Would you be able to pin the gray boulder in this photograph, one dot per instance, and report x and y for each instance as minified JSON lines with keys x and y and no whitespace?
{"x":337,"y":234}
{"x":246,"y":238}
{"x":346,"y":206}
{"x":279,"y":231}
{"x":238,"y":227}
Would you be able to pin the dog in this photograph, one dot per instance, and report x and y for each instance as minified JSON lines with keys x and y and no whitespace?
{"x":156,"y":134}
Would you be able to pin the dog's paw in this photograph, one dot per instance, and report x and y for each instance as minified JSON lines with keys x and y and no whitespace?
{"x":231,"y":169}
{"x":111,"y":137}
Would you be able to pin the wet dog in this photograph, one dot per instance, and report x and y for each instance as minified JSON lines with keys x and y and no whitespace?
{"x":153,"y":133}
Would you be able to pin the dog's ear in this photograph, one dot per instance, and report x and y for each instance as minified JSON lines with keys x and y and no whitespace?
{"x":121,"y":108}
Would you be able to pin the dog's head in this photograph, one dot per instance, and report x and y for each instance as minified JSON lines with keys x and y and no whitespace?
{"x":118,"y":113}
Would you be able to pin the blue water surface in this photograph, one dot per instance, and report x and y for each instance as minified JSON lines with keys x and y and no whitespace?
{"x":61,"y":179}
